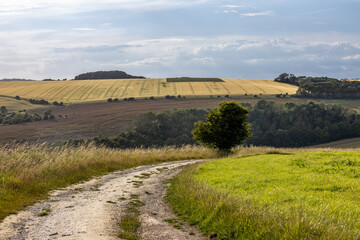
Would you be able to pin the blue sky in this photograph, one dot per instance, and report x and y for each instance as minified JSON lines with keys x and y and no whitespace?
{"x":167,"y":38}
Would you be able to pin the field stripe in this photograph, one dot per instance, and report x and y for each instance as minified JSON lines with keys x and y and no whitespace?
{"x":78,"y":89}
{"x":239,"y":85}
{"x":109,"y":89}
{"x":57,"y":91}
{"x":91,"y":89}
{"x":125,"y":89}
{"x":208,"y":87}
{"x":84,"y":91}
{"x":141,"y":88}
{"x":274,"y":87}
{"x":227,"y":90}
{"x":158,"y":87}
{"x":174,"y":89}
{"x":255,"y":85}
{"x":191,"y":88}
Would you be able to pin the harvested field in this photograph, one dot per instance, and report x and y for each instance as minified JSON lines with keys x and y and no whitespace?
{"x":346,"y":143}
{"x":88,"y":120}
{"x":95,"y":90}
{"x":14,"y":105}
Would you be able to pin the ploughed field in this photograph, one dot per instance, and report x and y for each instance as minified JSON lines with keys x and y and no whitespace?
{"x":95,"y":90}
{"x":87,"y":120}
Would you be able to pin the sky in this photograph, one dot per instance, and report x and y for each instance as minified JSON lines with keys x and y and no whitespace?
{"x":166,"y":38}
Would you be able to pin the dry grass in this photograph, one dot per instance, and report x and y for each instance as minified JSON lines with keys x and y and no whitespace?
{"x":95,"y":90}
{"x":28,"y":173}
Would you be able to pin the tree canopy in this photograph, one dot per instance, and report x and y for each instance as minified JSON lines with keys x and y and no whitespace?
{"x":105,"y":75}
{"x":225,"y":128}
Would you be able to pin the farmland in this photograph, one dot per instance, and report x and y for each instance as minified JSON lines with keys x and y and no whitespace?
{"x":298,"y":195}
{"x":345,"y":143}
{"x":13,"y":105}
{"x":87,"y":120}
{"x":96,"y":90}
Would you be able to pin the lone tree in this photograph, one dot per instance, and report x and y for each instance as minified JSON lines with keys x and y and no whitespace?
{"x":225,"y":128}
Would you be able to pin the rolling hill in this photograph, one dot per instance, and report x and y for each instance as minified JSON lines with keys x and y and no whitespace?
{"x":96,"y":90}
{"x":345,"y":143}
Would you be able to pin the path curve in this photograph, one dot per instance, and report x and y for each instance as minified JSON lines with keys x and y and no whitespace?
{"x":91,"y":210}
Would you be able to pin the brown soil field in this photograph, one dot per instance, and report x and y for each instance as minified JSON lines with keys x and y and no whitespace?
{"x":88,"y":120}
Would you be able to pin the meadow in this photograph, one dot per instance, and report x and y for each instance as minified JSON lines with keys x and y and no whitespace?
{"x":28,"y":173}
{"x":285,"y":194}
{"x":96,"y":90}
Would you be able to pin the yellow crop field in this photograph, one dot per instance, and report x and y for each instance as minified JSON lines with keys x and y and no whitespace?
{"x":94,"y":90}
{"x":13,"y":105}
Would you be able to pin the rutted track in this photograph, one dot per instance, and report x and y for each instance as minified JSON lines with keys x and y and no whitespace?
{"x":92,"y":210}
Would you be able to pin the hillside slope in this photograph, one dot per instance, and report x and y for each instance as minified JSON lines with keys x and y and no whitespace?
{"x":346,"y":143}
{"x":95,"y":90}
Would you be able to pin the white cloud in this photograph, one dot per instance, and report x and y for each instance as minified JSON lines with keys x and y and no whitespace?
{"x":51,"y":7}
{"x":315,"y":12}
{"x":83,"y":29}
{"x":352,"y":57}
{"x":256,"y":14}
{"x":233,"y":6}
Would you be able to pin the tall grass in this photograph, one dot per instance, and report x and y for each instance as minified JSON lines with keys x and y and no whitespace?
{"x":28,"y":173}
{"x":303,"y":195}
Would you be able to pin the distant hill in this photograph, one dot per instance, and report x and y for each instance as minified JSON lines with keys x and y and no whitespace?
{"x":15,"y":80}
{"x":105,"y":75}
{"x":345,"y":143}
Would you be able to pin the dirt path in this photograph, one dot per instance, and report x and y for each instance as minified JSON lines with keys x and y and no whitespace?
{"x":91,"y":210}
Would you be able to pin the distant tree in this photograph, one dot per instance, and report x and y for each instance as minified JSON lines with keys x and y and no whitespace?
{"x":17,"y":97}
{"x":225,"y":128}
{"x":110,"y":100}
{"x":3,"y":110}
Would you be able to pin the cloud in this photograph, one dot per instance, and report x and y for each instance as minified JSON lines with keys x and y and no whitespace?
{"x":233,"y":6}
{"x":256,"y":14}
{"x":315,"y":12}
{"x":221,"y":56}
{"x":353,"y":57}
{"x":45,"y":7}
{"x":83,"y":29}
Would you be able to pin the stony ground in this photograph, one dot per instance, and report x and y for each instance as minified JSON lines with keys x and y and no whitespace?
{"x":93,"y":209}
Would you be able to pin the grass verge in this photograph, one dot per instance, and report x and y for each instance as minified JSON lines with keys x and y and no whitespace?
{"x":28,"y":173}
{"x":304,"y":195}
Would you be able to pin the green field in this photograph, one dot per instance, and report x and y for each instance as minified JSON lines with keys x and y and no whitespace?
{"x":350,"y":103}
{"x":95,"y":90}
{"x":303,"y":195}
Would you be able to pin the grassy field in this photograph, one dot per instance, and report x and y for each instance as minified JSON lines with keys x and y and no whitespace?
{"x":28,"y":173}
{"x":350,"y":103}
{"x":95,"y":90}
{"x":346,"y":143}
{"x":299,"y":195}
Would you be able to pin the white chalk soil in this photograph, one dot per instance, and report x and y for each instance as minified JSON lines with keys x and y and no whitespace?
{"x":93,"y":209}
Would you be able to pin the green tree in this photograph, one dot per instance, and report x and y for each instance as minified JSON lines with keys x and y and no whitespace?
{"x":225,"y":128}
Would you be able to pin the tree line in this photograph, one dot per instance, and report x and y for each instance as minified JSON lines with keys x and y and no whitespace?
{"x":105,"y":75}
{"x":321,"y":87}
{"x":8,"y":118}
{"x":284,"y":125}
